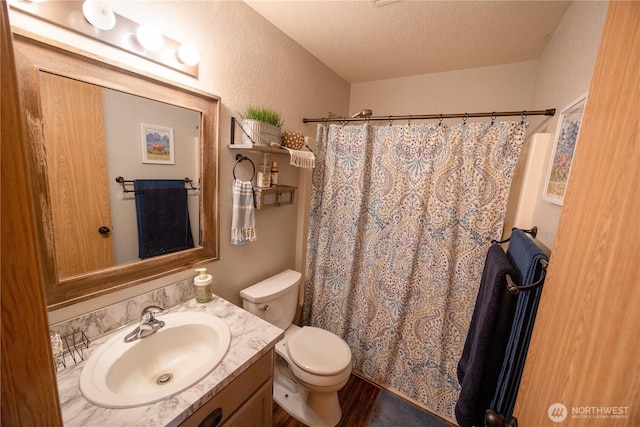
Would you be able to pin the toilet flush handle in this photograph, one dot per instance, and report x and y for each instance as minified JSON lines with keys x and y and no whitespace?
{"x":264,"y":307}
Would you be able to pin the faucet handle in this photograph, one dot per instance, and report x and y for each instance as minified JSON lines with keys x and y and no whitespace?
{"x":148,"y":313}
{"x":152,"y":309}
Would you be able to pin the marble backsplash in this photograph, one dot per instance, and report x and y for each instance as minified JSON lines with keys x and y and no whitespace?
{"x":106,"y":319}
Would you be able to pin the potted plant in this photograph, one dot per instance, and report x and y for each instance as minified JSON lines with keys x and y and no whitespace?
{"x":261,"y":126}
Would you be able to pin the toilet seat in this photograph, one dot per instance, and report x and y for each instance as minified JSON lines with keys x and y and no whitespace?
{"x":318,"y":351}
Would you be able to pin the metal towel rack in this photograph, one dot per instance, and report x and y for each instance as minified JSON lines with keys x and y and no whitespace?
{"x":121,"y":180}
{"x":239,"y":159}
{"x":514,"y":289}
{"x":511,"y":286}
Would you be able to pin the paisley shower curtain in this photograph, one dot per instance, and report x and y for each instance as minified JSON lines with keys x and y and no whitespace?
{"x":401,"y":220}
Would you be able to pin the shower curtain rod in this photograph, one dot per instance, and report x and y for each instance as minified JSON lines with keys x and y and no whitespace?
{"x":548,"y":112}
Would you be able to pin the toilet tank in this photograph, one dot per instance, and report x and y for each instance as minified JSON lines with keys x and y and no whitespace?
{"x":274,"y":299}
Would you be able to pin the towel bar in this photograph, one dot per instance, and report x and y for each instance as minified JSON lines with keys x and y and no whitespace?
{"x":514,"y":289}
{"x":511,"y":286}
{"x":121,"y":180}
{"x":533,"y":231}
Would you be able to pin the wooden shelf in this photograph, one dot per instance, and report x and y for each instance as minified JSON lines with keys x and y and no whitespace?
{"x":281,"y":195}
{"x":258,"y":148}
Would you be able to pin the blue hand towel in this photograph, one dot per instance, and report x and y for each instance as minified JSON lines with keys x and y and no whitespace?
{"x":483,"y":353}
{"x":162,"y":216}
{"x":525,"y":256}
{"x":243,"y":222}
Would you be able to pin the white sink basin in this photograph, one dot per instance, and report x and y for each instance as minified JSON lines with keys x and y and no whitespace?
{"x":185,"y":350}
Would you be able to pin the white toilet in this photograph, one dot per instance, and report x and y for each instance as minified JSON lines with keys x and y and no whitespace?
{"x":313,"y":364}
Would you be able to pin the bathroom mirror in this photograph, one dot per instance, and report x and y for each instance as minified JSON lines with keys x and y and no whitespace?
{"x":109,"y":113}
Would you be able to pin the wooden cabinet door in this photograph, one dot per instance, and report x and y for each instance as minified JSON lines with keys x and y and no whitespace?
{"x":77,"y":169}
{"x":257,"y":411}
{"x":246,"y":401}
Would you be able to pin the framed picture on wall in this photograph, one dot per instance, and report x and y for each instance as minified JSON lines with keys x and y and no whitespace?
{"x":563,"y":150}
{"x":156,"y":144}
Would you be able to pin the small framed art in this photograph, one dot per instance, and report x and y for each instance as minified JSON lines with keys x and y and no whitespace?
{"x":157,"y":144}
{"x":563,"y":151}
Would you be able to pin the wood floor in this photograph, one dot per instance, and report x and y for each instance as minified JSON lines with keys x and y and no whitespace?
{"x":356,"y":399}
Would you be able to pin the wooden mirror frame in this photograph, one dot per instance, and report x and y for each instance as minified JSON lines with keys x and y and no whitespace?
{"x":34,"y":54}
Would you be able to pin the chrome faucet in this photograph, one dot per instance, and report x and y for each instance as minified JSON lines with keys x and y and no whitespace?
{"x":148,"y":324}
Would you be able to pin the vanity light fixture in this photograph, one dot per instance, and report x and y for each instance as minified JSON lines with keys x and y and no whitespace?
{"x":96,"y":19}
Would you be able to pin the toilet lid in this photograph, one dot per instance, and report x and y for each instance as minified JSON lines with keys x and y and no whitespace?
{"x":318,"y":351}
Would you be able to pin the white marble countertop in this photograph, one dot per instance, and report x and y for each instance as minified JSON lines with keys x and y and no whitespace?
{"x":251,"y":338}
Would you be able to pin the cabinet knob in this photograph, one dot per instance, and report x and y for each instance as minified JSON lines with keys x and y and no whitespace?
{"x":104,"y":230}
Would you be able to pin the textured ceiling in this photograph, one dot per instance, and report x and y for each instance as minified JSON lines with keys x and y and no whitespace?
{"x":362,"y":41}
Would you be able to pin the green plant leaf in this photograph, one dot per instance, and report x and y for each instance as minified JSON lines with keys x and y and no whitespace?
{"x":262,"y":114}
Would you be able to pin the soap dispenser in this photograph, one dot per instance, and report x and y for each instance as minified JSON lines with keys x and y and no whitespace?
{"x":264,"y":177}
{"x":202,"y":285}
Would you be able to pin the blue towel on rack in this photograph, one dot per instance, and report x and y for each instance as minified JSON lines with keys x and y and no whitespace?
{"x":483,"y":352}
{"x":163,"y":217}
{"x":525,"y":256}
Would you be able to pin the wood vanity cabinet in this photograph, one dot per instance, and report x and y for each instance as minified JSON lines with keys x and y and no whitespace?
{"x":246,"y":401}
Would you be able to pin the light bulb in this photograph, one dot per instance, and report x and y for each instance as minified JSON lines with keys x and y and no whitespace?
{"x":188,"y":54}
{"x":149,"y":37}
{"x":99,"y":14}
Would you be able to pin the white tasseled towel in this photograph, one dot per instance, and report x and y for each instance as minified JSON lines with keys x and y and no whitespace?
{"x":243,"y":221}
{"x":301,"y":159}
